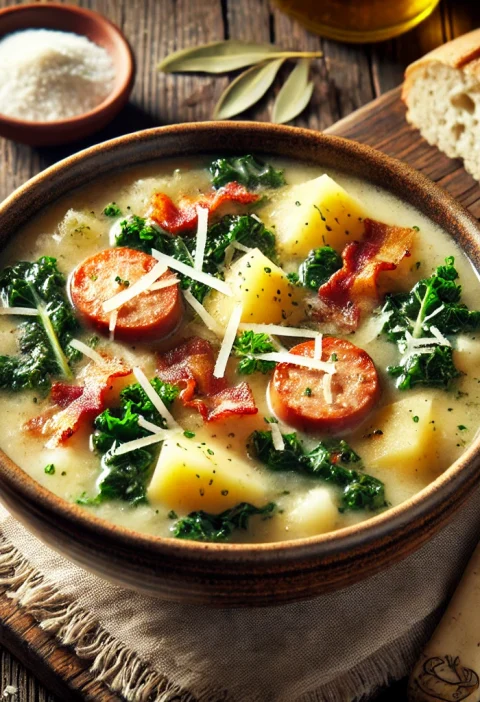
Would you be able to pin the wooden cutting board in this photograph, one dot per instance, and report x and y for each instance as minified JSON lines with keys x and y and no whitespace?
{"x":380,"y":124}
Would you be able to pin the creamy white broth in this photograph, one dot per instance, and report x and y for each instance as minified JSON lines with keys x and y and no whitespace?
{"x":73,"y":228}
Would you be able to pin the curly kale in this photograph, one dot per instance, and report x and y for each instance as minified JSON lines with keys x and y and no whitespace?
{"x":245,"y":229}
{"x":318,"y":267}
{"x":248,"y":344}
{"x":112,"y":210}
{"x":202,"y":526}
{"x":246,"y":170}
{"x":327,"y":462}
{"x":43,"y":340}
{"x":125,"y":477}
{"x":431,"y":310}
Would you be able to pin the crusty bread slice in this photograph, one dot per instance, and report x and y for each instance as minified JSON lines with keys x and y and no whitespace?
{"x":442,"y":94}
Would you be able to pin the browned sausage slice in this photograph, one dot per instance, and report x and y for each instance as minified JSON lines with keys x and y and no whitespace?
{"x":298,"y":395}
{"x":151,"y":314}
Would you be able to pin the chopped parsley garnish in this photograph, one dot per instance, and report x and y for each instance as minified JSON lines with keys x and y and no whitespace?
{"x":416,"y":419}
{"x":112,"y":210}
{"x":462,"y":427}
{"x":49,"y":469}
{"x":125,"y":283}
{"x":189,"y":434}
{"x":308,"y":392}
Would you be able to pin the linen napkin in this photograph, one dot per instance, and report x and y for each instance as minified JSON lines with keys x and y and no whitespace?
{"x":336,"y":648}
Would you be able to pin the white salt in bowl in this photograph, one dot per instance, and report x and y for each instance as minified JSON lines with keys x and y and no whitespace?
{"x":97,"y":29}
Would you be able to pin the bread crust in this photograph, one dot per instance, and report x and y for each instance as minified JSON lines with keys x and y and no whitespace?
{"x":462,"y":53}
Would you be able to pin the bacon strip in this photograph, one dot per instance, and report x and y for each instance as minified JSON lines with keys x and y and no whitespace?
{"x":79,"y":402}
{"x":353,"y":288}
{"x":178,"y":218}
{"x":190,"y":366}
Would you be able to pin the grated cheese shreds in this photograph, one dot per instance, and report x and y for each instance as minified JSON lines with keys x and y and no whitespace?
{"x":201,"y":276}
{"x":27,"y":311}
{"x":304,"y":361}
{"x":277,"y":438}
{"x":112,"y":323}
{"x":201,"y":241}
{"x":228,"y":341}
{"x":241,"y":247}
{"x":206,"y":318}
{"x":317,"y":350}
{"x":442,"y":340}
{"x":156,"y":401}
{"x":150,"y":426}
{"x":433,"y":314}
{"x":87,"y":351}
{"x":279,"y":330}
{"x":159,"y":285}
{"x":132,"y":291}
{"x":327,"y":388}
{"x":138,"y":443}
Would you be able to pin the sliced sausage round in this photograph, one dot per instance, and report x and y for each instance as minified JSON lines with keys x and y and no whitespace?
{"x":300,"y":397}
{"x":151,"y":314}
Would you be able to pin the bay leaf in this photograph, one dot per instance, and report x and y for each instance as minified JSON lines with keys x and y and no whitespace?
{"x":224,"y":56}
{"x":247,"y":89}
{"x":217,"y":57}
{"x":294,"y":95}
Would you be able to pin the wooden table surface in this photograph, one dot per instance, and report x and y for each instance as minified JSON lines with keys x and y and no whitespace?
{"x":345,"y":79}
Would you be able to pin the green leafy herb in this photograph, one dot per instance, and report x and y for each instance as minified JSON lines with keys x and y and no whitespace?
{"x":245,"y":229}
{"x":462,"y":427}
{"x":119,"y":280}
{"x":318,"y":267}
{"x":202,"y":526}
{"x":189,"y":434}
{"x":430,"y":311}
{"x":246,"y":345}
{"x":416,"y":419}
{"x":248,"y":170}
{"x":326,"y":462}
{"x":125,"y":477}
{"x":49,"y":469}
{"x":44,"y":340}
{"x":112,"y":210}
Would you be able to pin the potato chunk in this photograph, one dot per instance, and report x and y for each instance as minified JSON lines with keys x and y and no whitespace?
{"x":317,"y":213}
{"x":263,"y":289}
{"x":189,"y":478}
{"x":407,"y":443}
{"x":467,"y":355}
{"x":316,"y":513}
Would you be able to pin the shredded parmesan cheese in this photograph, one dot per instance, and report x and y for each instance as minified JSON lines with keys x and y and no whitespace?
{"x":279,"y":330}
{"x":433,"y":314}
{"x":112,"y":323}
{"x":138,"y":443}
{"x":27,"y":311}
{"x":317,"y":350}
{"x":304,"y":361}
{"x":228,"y":341}
{"x":154,"y":398}
{"x":201,"y":241}
{"x":277,"y":438}
{"x":240,"y":247}
{"x":327,"y":388}
{"x":133,"y":290}
{"x":201,"y":276}
{"x":442,"y":340}
{"x":87,"y":351}
{"x":206,"y":318}
{"x":164,"y":284}
{"x":150,"y":426}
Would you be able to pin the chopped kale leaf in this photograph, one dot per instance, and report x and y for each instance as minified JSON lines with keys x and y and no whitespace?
{"x":112,"y":210}
{"x":202,"y":526}
{"x":246,"y":345}
{"x":318,"y":267}
{"x":246,"y":170}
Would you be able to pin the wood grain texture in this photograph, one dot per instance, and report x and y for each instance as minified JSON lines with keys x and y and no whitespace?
{"x":346,"y":78}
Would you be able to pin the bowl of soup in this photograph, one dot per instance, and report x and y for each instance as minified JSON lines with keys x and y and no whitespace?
{"x":238,"y":362}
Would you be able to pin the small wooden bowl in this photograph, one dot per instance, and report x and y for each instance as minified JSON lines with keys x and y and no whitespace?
{"x":223,"y":574}
{"x":98,"y":29}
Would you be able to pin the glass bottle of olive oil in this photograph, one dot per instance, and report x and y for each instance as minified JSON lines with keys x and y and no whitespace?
{"x":358,"y":20}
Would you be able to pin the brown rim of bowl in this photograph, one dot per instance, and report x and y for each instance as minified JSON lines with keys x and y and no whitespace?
{"x":117,"y":93}
{"x":342,"y":541}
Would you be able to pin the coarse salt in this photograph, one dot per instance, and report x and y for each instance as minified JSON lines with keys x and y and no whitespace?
{"x":49,"y":75}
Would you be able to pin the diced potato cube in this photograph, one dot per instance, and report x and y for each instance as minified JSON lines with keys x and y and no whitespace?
{"x":467,"y":355}
{"x":317,"y":213}
{"x":189,"y":478}
{"x":80,"y":225}
{"x":263,"y":289}
{"x":407,"y":442}
{"x":316,"y":513}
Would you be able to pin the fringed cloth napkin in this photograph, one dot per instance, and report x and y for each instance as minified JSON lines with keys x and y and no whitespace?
{"x":338,"y":648}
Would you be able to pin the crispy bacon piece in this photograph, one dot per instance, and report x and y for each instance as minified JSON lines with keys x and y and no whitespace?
{"x":78,"y":402}
{"x":178,"y":218}
{"x":353,"y":288}
{"x":190,"y":366}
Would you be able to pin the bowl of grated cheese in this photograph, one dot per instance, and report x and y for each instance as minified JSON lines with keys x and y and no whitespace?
{"x":66,"y":72}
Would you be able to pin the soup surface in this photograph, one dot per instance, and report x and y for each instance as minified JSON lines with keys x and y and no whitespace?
{"x":237,"y":350}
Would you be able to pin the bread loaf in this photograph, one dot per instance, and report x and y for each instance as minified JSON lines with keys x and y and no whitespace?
{"x":442,"y":95}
